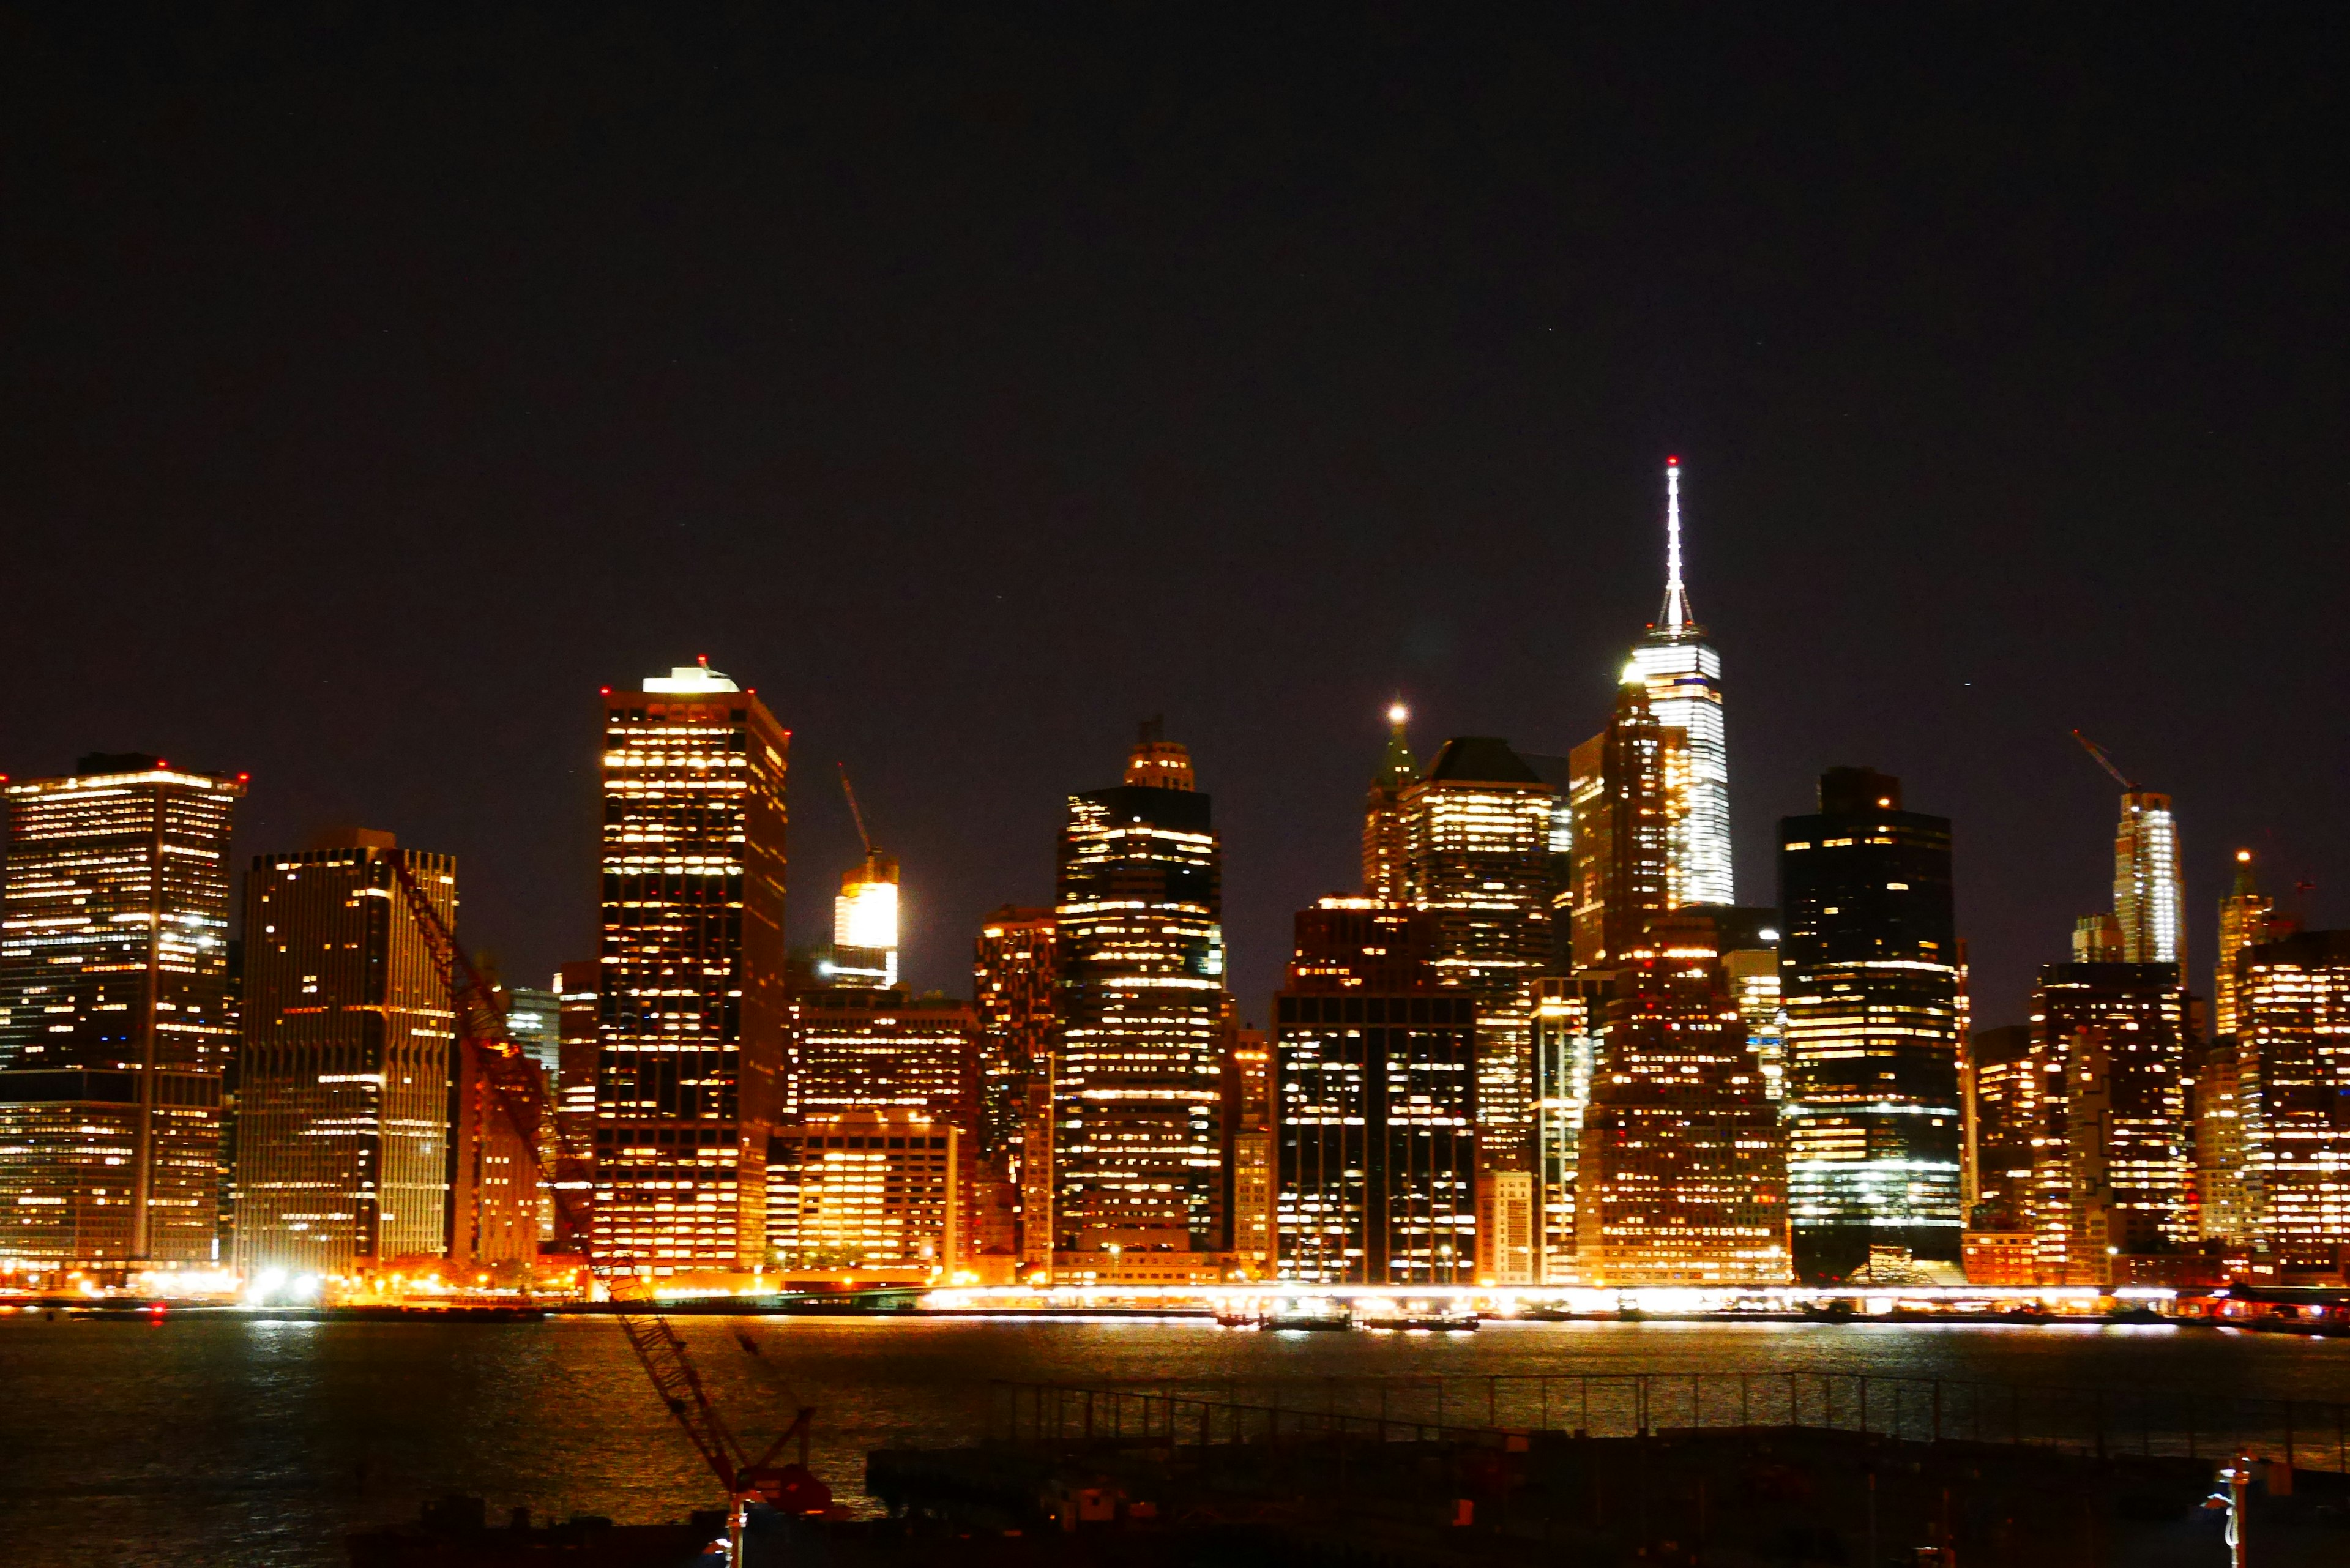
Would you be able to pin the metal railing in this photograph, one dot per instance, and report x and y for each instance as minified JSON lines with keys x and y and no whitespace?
{"x":2099,"y":1422}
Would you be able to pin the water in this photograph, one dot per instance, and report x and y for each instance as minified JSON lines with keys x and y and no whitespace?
{"x":211,"y":1440}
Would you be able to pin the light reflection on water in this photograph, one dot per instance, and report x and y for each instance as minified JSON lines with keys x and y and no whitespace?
{"x":208,"y":1441}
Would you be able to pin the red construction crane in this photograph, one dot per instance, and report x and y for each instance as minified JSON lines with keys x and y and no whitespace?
{"x":2103,"y":760}
{"x":512,"y":1087}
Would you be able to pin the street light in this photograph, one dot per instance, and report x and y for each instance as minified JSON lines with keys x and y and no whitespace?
{"x":1114,"y":1251}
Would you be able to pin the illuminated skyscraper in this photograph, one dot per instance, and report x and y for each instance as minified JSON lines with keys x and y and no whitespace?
{"x":2149,"y":887}
{"x":1138,"y":1088}
{"x":1375,"y":1077}
{"x":2108,"y":1117}
{"x":1248,"y":1139}
{"x":1386,"y":854}
{"x":1621,"y":796}
{"x":343,"y":1137}
{"x":577,"y":986}
{"x":692,"y":1017}
{"x":857,"y":1049}
{"x":2246,"y":917}
{"x":1016,"y":983}
{"x":865,"y":924}
{"x":884,"y":1190}
{"x":1485,"y":841}
{"x":1683,"y":1178}
{"x":1682,"y":675}
{"x":1869,"y":966}
{"x":114,"y":1018}
{"x":2293,"y":1027}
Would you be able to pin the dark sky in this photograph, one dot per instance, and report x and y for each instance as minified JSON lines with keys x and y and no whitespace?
{"x":376,"y":387}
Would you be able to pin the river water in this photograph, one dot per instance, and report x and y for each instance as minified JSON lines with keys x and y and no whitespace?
{"x":220,"y":1441}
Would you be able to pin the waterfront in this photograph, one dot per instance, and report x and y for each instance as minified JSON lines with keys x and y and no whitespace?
{"x":216,"y":1440}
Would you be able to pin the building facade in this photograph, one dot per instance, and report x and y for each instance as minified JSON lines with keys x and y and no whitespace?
{"x":873,"y":1190}
{"x":1375,"y":1083}
{"x":115,"y":1017}
{"x":1681,"y":673}
{"x":1624,"y":797}
{"x":1868,"y":965}
{"x":1016,"y":989}
{"x":1485,"y":854}
{"x":865,"y":924}
{"x":692,"y":1017}
{"x":578,"y":993}
{"x":1683,"y":1170}
{"x":857,"y":1048}
{"x":2294,"y":1039}
{"x":2113,"y":1172}
{"x":2149,"y":881}
{"x":1139,"y":1084}
{"x":343,"y":1107}
{"x":2247,"y":917}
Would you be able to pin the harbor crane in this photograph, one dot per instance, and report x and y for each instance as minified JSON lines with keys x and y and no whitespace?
{"x":512,"y":1088}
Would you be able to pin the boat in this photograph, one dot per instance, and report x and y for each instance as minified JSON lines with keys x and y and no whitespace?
{"x":1416,"y":1317}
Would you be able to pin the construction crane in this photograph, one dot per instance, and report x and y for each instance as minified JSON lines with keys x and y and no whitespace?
{"x":488,"y":1056}
{"x":2103,"y":760}
{"x":855,"y":815}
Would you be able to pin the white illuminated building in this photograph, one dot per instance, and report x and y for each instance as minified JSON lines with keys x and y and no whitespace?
{"x":865,"y":924}
{"x":1683,"y":676}
{"x":2149,"y":894}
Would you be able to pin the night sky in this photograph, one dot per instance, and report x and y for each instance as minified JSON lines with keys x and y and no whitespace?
{"x":375,"y":389}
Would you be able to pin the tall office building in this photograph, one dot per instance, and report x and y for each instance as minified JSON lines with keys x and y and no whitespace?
{"x":1623,"y":794}
{"x":343,"y":1142}
{"x":1565,"y":1051}
{"x":1996,"y":1076}
{"x":875,"y":1189}
{"x":1681,"y":674}
{"x":1869,"y":976}
{"x":692,"y":1017}
{"x":2108,"y":1117}
{"x":1138,"y":1088}
{"x":535,"y":1019}
{"x":1682,"y":1177}
{"x":2149,"y":884}
{"x":857,"y":1049}
{"x":1374,"y":1079}
{"x":2294,"y":1033}
{"x":2226,"y":1194}
{"x":1385,"y":852}
{"x":1485,"y":860}
{"x":1016,"y":983}
{"x":2247,"y":917}
{"x":1249,"y":1152}
{"x":114,"y":1015}
{"x":577,"y":988}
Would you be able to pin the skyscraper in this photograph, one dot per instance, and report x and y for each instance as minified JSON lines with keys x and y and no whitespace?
{"x":2000,"y":1101}
{"x":855,"y":1048}
{"x":114,"y":1017}
{"x":865,"y":924}
{"x":1485,"y":861}
{"x":2247,"y":917}
{"x":1016,"y":983}
{"x":1386,"y":853}
{"x":2108,"y":1115}
{"x":1137,"y":1088}
{"x":2293,"y":999}
{"x":1375,"y":1077}
{"x":1683,"y":1178}
{"x":2149,"y":887}
{"x":692,"y":1019}
{"x":1681,"y":674}
{"x":1622,"y":796}
{"x":343,"y":1142}
{"x":578,"y":986}
{"x":1869,"y":966}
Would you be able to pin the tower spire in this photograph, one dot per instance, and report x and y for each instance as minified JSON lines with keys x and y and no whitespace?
{"x":1675,"y":617}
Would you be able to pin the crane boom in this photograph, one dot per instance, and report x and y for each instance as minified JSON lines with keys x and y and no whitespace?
{"x":2103,"y":761}
{"x":853,"y":815}
{"x":521,"y":1096}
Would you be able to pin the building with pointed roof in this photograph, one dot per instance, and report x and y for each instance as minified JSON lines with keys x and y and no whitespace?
{"x":1384,"y":868}
{"x":1681,"y":673}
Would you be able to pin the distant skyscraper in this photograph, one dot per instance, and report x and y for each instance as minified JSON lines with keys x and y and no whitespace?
{"x":2246,"y":917}
{"x":1682,"y":1177}
{"x":1375,"y":1077}
{"x":857,"y":1049}
{"x":2226,"y":1191}
{"x":1016,"y":983}
{"x":1682,"y":676}
{"x":1621,"y":796}
{"x":1484,"y":861}
{"x":1999,"y":1102}
{"x":2293,"y":1027}
{"x":114,"y":1015}
{"x":1566,"y":1048}
{"x":865,"y":924}
{"x":2110,"y":1142}
{"x":1869,"y":966}
{"x":343,"y":1142}
{"x":533,"y":1017}
{"x":693,"y":1019}
{"x":578,"y":986}
{"x":2149,"y":886}
{"x":1249,"y":1111}
{"x":1387,"y":873}
{"x":1137,"y":1090}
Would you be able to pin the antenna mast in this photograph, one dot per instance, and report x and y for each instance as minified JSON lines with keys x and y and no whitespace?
{"x":853,"y":815}
{"x":2103,"y":760}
